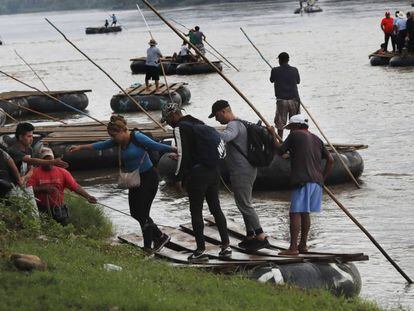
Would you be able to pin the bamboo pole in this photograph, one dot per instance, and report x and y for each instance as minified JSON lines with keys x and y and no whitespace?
{"x":215,"y":50}
{"x":278,"y":137}
{"x":52,"y":97}
{"x":110,"y":78}
{"x":313,"y":119}
{"x":34,"y":111}
{"x":30,"y":67}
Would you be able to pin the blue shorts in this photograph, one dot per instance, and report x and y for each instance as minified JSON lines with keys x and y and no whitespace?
{"x":306,"y":199}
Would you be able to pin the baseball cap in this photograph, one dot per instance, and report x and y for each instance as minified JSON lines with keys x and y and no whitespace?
{"x":297,"y":119}
{"x":168,"y":110}
{"x":45,"y":151}
{"x":217,"y":106}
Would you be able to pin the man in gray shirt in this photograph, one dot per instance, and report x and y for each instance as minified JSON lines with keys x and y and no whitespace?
{"x":151,"y":65}
{"x":242,"y":174}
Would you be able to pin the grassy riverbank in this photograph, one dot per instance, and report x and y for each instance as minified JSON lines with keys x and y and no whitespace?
{"x":75,"y":277}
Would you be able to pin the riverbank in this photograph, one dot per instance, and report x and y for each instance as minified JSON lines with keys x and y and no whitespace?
{"x":75,"y":277}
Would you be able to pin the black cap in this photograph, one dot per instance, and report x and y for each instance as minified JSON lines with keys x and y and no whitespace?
{"x":217,"y":106}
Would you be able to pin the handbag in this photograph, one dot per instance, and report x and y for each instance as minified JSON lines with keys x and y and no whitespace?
{"x":128,"y":180}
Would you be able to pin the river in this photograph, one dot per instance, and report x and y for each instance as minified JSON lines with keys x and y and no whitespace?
{"x":352,"y":101}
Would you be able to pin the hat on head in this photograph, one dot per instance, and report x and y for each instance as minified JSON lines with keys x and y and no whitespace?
{"x":296,"y":120}
{"x":217,"y":106}
{"x":45,"y":151}
{"x":168,"y":110}
{"x":152,"y":42}
{"x":401,"y":14}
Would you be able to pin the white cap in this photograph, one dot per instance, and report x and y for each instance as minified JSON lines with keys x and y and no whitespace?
{"x":297,"y":119}
{"x":401,"y":14}
{"x":44,"y":152}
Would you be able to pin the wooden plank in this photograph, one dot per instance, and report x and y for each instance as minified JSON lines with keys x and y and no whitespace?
{"x":151,"y":89}
{"x":18,"y":94}
{"x":162,"y":90}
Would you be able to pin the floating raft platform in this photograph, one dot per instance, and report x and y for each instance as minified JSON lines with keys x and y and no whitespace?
{"x":149,"y":99}
{"x":309,"y":9}
{"x":42,"y":103}
{"x":171,"y":67}
{"x":377,"y":59}
{"x":103,"y":29}
{"x":274,"y":177}
{"x":329,"y":270}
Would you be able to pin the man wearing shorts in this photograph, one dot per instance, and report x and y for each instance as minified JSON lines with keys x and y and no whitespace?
{"x":285,"y":79}
{"x":307,"y":176}
{"x":151,"y":65}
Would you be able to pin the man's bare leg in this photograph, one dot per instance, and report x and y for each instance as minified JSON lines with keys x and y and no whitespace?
{"x":295,"y":222}
{"x":305,"y":226}
{"x":146,"y":84}
{"x":157,"y":85}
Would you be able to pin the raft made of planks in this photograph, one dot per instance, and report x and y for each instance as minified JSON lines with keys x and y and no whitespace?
{"x":142,"y":90}
{"x":21,"y":94}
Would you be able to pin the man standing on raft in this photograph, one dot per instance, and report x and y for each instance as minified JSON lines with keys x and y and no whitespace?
{"x":151,"y":65}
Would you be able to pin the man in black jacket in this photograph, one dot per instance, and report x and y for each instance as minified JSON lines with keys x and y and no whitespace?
{"x":199,"y":151}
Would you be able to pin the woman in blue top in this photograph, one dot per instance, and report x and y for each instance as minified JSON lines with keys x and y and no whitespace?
{"x":132,"y":158}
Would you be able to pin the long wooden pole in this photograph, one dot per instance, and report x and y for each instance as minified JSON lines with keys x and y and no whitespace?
{"x":7,"y":115}
{"x":52,"y":97}
{"x":258,"y":113}
{"x":207,"y":61}
{"x":30,"y":67}
{"x":34,"y":111}
{"x":110,"y":78}
{"x":161,"y":64}
{"x":215,"y":50}
{"x":313,"y":119}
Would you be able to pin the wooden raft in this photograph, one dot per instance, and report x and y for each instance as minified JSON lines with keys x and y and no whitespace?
{"x":143,"y":58}
{"x":183,"y":243}
{"x":20,"y":94}
{"x":141,"y":90}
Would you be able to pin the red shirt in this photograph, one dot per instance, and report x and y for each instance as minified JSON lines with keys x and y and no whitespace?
{"x":388,"y":24}
{"x":57,"y":177}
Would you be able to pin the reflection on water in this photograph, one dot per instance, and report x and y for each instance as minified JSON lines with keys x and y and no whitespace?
{"x":353,"y":102}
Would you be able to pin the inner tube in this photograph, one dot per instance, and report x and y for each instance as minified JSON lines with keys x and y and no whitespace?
{"x":197,"y":68}
{"x":379,"y":61}
{"x":138,"y":67}
{"x":341,"y":279}
{"x":96,"y":30}
{"x":3,"y":118}
{"x":402,"y":61}
{"x":14,"y":110}
{"x":121,"y":104}
{"x":45,"y":104}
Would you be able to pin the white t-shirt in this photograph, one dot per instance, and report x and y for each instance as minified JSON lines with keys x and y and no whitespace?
{"x":184,"y":50}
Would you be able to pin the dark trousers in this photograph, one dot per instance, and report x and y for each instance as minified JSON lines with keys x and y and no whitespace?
{"x":140,"y":200}
{"x":203,"y":183}
{"x":387,"y":37}
{"x":401,"y":40}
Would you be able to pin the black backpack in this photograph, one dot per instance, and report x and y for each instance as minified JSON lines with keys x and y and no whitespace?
{"x":260,"y":145}
{"x":208,"y":144}
{"x":153,"y":154}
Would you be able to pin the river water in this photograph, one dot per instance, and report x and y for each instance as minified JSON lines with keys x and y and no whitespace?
{"x":353,"y":102}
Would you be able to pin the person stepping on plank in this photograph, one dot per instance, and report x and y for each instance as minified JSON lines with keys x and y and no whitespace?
{"x":306,"y":153}
{"x":151,"y":65}
{"x":199,"y":151}
{"x":242,"y":173}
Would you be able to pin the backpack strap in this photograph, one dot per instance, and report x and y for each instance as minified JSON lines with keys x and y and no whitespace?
{"x":237,"y":146}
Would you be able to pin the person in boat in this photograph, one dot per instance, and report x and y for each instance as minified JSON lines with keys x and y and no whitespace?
{"x":242,"y":173}
{"x":198,"y":39}
{"x":285,"y":79}
{"x":400,"y":27}
{"x":49,"y":183}
{"x":382,"y":50}
{"x":9,"y":174}
{"x":114,"y":20}
{"x":306,"y":153}
{"x":133,"y":153}
{"x":184,"y":54}
{"x":22,"y":152}
{"x":106,"y":23}
{"x":387,"y":26}
{"x":151,"y":64}
{"x":198,"y":159}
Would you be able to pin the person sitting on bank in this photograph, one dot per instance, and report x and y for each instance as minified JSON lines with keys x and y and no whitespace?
{"x":285,"y":79}
{"x":106,"y":23}
{"x":22,"y":152}
{"x":9,"y":174}
{"x":49,"y":183}
{"x":242,"y":173}
{"x":306,"y":153}
{"x":132,"y":147}
{"x":152,"y":65}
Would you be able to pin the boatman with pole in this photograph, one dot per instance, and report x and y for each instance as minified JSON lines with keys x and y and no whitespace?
{"x":151,"y":65}
{"x":306,"y":153}
{"x":285,"y":79}
{"x":114,"y":20}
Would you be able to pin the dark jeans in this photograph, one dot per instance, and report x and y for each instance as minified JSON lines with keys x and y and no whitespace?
{"x":203,"y":183}
{"x":401,"y":40}
{"x":140,"y":200}
{"x":387,"y":37}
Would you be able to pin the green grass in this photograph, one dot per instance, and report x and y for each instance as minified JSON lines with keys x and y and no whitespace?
{"x":75,"y":279}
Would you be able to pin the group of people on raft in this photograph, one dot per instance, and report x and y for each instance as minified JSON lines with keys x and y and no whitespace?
{"x":198,"y":150}
{"x":400,"y":29}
